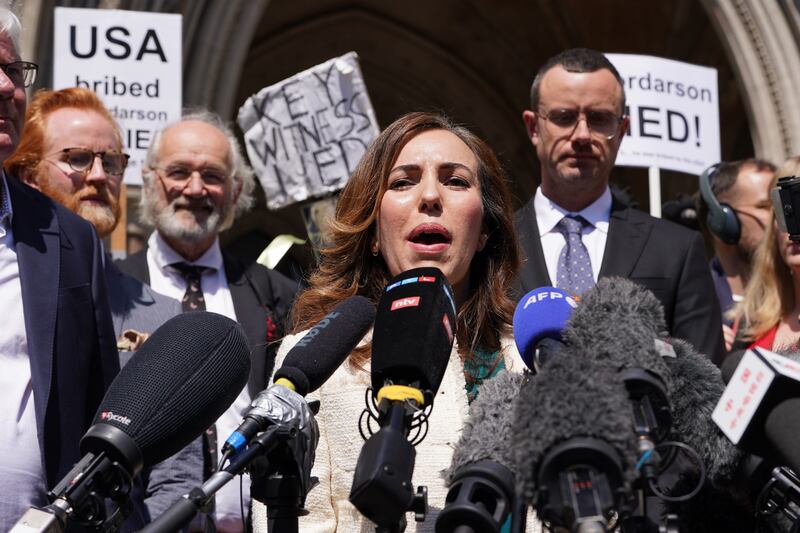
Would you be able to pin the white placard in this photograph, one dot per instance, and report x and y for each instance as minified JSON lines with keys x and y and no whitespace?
{"x":132,"y":60}
{"x":741,"y":398}
{"x":674,"y":113}
{"x":305,"y":135}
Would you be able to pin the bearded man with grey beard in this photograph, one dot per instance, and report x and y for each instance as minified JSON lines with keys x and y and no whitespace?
{"x":196,"y":183}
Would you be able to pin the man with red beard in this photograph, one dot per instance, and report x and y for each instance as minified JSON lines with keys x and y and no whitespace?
{"x":71,"y":150}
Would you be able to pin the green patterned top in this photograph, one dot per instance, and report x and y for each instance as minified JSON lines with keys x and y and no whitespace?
{"x":483,"y":365}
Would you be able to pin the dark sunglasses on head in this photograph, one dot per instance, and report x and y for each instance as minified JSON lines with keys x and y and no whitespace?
{"x":82,"y":159}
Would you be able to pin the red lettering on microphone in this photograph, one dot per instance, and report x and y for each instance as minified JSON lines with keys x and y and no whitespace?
{"x":412,"y":301}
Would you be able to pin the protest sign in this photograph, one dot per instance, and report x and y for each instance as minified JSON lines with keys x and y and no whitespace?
{"x":305,"y":135}
{"x":674,"y":114}
{"x":132,"y":60}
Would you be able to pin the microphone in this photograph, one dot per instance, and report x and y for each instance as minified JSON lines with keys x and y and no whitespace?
{"x":174,"y":387}
{"x":539,"y":320}
{"x":308,"y":365}
{"x":619,"y":322}
{"x":754,"y":411}
{"x":481,"y":475}
{"x":573,"y":443}
{"x":413,"y":336}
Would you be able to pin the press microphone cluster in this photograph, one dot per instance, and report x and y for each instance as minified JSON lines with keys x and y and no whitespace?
{"x":611,"y":347}
{"x":175,"y":386}
{"x":278,"y":436}
{"x":413,"y":336}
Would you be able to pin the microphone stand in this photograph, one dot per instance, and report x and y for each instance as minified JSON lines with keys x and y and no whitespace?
{"x":180,"y":514}
{"x":382,"y":487}
{"x":80,"y":497}
{"x":781,"y":495}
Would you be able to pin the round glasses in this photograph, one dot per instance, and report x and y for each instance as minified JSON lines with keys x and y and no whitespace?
{"x":181,"y":175}
{"x":82,"y":159}
{"x":600,"y":123}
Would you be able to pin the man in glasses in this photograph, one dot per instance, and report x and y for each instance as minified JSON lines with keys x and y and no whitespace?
{"x":195,"y":184}
{"x":71,"y":150}
{"x":574,"y":230}
{"x":57,"y":350}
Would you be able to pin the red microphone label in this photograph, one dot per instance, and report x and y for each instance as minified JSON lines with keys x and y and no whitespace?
{"x":411,"y":301}
{"x":447,"y":327}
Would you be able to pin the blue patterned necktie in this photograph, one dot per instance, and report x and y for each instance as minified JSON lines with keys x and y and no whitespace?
{"x":574,"y":267}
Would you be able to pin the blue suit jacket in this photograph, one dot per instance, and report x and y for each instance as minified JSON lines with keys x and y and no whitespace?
{"x":71,"y":342}
{"x":136,"y":306}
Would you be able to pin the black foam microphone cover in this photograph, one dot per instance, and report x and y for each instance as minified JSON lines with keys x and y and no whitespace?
{"x":697,"y":387}
{"x":175,"y":386}
{"x":572,"y":397}
{"x":487,"y":431}
{"x":317,"y":355}
{"x":618,"y":321}
{"x":414,"y":331}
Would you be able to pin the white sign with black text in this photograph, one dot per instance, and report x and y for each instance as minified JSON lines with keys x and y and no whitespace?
{"x":132,"y":60}
{"x":674,"y":114}
{"x":305,"y":134}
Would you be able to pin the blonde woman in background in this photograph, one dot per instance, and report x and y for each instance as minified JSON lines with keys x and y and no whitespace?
{"x":769,"y":316}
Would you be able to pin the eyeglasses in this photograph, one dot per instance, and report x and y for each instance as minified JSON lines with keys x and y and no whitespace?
{"x":21,"y":73}
{"x":182,"y":174}
{"x":601,"y":123}
{"x":82,"y":159}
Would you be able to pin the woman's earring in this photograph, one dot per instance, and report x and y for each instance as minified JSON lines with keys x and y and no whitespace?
{"x":375,"y":250}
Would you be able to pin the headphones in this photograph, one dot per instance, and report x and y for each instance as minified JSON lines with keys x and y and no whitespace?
{"x":721,"y":219}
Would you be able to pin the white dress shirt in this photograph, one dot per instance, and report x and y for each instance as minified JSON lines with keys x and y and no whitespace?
{"x":22,"y":482}
{"x":214,"y":285}
{"x":594,"y":236}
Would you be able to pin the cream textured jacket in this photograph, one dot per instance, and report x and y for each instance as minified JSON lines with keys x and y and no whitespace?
{"x":341,"y":403}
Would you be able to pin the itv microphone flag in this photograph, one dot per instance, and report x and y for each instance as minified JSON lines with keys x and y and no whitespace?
{"x":305,"y":134}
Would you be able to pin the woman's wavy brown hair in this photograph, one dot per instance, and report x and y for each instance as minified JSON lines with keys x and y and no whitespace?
{"x":347,"y":266}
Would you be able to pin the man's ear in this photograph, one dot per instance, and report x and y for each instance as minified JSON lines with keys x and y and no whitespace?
{"x":28,"y":176}
{"x":238,"y":185}
{"x":623,"y":127}
{"x":531,"y":125}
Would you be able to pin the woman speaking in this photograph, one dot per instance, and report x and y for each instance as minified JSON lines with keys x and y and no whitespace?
{"x":426,"y":193}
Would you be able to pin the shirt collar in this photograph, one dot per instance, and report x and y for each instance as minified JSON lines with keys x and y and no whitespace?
{"x":164,"y":255}
{"x":548,"y":213}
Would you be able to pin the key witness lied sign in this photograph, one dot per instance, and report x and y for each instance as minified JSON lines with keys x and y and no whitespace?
{"x":674,"y":113}
{"x":305,"y":135}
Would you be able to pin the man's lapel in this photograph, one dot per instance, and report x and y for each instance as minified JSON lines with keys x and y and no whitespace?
{"x":533,"y":271}
{"x":252,"y":313}
{"x":36,"y":235}
{"x":625,"y":243}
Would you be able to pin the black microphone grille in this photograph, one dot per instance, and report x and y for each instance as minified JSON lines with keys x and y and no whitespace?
{"x":324,"y":348}
{"x":414,"y":330}
{"x":177,"y":384}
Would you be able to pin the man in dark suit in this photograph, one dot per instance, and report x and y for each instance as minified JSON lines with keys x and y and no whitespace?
{"x":72,"y":151}
{"x":574,"y":230}
{"x":195,"y":183}
{"x":57,"y":342}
